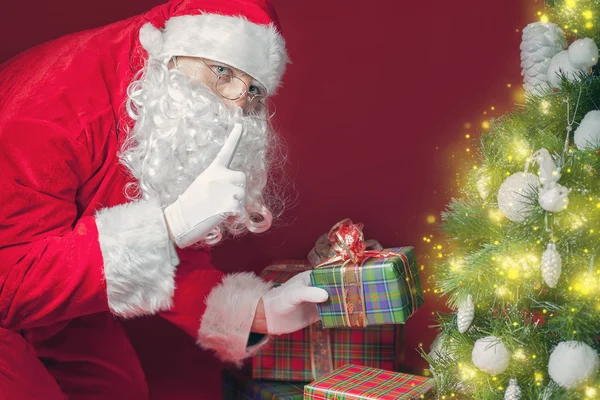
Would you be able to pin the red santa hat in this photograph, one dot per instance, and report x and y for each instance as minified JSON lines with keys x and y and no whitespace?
{"x":244,"y":34}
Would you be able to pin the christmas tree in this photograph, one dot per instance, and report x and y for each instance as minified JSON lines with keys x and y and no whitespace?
{"x":522,"y":272}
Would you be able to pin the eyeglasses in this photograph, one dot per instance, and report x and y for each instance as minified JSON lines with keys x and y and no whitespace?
{"x":231,"y":87}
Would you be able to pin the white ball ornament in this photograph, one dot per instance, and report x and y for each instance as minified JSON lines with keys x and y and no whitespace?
{"x":490,"y":355}
{"x":587,"y":134}
{"x":583,"y":53}
{"x":514,"y":196}
{"x":560,"y":65}
{"x":572,"y":363}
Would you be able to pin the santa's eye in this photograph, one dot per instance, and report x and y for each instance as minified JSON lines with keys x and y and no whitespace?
{"x":222,"y":71}
{"x":254,"y":90}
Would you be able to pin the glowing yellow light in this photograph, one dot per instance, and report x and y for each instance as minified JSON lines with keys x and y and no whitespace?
{"x":513,"y":273}
{"x":495,"y":215}
{"x":544,"y":311}
{"x":431,"y":219}
{"x":500,"y":388}
{"x":589,"y":25}
{"x":590,"y":392}
{"x":439,"y":247}
{"x":485,"y":124}
{"x":569,"y":170}
{"x":598,"y":205}
{"x":467,"y":136}
{"x":570,"y":3}
{"x":520,"y":149}
{"x":474,"y":166}
{"x":544,"y":19}
{"x":492,"y":108}
{"x":494,"y":378}
{"x":519,"y":354}
{"x":510,"y":158}
{"x":572,"y":310}
{"x":538,"y":376}
{"x":467,"y":373}
{"x":591,"y":231}
{"x":502,"y":291}
{"x":545,"y":105}
{"x":508,"y":85}
{"x":587,"y":14}
{"x":533,"y":356}
{"x":468,"y":149}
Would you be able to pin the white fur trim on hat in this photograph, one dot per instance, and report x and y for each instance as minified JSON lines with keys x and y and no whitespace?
{"x":258,"y":50}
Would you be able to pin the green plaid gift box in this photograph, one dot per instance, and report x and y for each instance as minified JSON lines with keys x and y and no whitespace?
{"x":389,"y":290}
{"x":288,"y":357}
{"x":358,"y":382}
{"x":238,"y":386}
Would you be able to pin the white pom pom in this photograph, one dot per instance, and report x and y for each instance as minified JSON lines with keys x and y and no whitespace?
{"x":583,"y":53}
{"x":465,"y":315}
{"x":560,"y":65}
{"x":151,"y":39}
{"x":551,"y":265}
{"x":587,"y":134}
{"x":490,"y":355}
{"x":572,"y":363}
{"x":514,"y":196}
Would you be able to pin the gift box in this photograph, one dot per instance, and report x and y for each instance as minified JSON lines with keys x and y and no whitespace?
{"x":312,"y":352}
{"x":237,"y":385}
{"x":359,"y":382}
{"x":366,"y":287}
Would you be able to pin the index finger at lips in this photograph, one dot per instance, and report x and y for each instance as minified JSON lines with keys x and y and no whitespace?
{"x":228,"y":150}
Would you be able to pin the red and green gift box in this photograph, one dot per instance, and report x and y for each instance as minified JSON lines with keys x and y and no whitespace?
{"x":236,"y":385}
{"x":312,"y":352}
{"x":366,"y":287}
{"x":359,"y":382}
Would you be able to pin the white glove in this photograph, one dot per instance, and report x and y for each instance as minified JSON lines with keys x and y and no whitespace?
{"x":292,"y":306}
{"x":215,"y":195}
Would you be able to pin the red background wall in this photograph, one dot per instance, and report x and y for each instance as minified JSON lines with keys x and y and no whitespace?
{"x":373,"y":111}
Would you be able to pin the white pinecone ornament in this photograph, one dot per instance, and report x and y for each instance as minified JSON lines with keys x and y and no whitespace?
{"x":540,"y":42}
{"x":465,"y":315}
{"x":513,"y":391}
{"x":551,"y":265}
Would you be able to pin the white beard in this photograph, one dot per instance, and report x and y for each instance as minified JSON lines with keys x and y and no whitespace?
{"x":179,"y":129}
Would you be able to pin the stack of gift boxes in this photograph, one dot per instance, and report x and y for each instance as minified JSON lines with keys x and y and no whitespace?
{"x":358,"y":344}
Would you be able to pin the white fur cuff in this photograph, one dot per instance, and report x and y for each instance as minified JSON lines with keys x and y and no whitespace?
{"x":226,"y":323}
{"x":139,"y":258}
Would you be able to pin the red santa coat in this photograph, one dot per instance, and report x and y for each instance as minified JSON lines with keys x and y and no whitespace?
{"x":70,"y":243}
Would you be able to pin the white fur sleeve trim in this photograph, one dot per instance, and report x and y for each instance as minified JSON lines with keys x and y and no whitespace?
{"x":139,"y":258}
{"x":226,"y":323}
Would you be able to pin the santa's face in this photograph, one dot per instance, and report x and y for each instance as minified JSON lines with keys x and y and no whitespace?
{"x":181,"y":122}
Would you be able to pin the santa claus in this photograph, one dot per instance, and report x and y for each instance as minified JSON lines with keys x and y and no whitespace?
{"x":127,"y":151}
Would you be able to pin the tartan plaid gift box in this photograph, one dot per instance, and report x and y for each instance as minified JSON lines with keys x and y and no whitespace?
{"x":358,"y":382}
{"x":312,"y":352}
{"x":238,"y":386}
{"x":366,"y":287}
